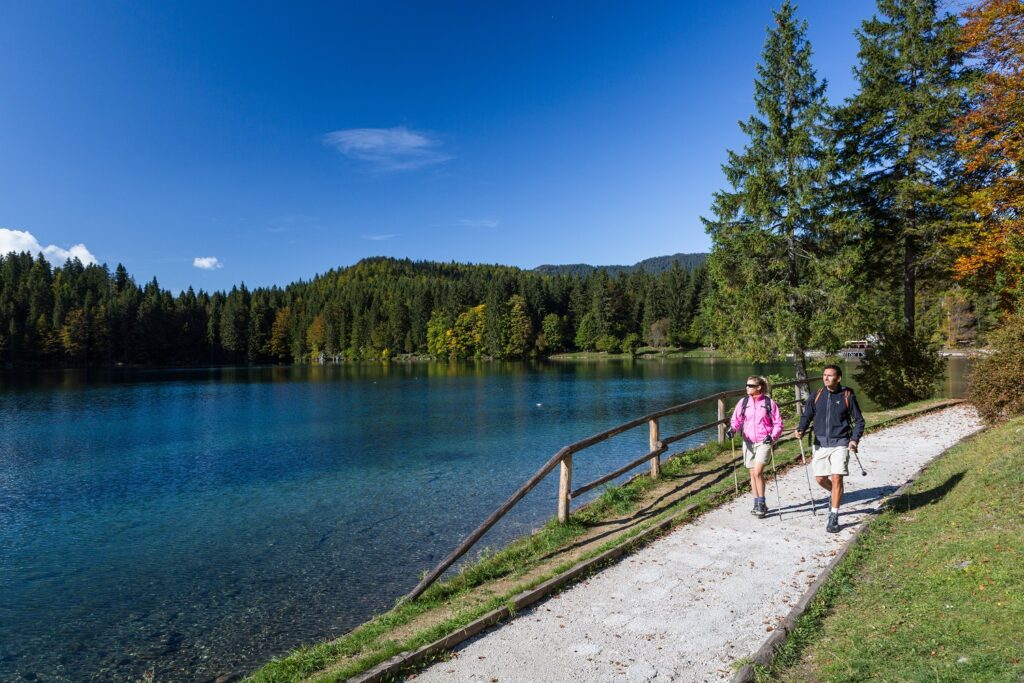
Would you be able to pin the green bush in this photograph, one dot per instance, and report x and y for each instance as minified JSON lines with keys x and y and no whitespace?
{"x":631,"y":343}
{"x":900,"y":368}
{"x":995,"y":381}
{"x":783,"y":395}
{"x":608,"y":343}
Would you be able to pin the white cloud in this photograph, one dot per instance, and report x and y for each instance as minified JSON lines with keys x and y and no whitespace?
{"x":207,"y":262}
{"x":478,"y":223}
{"x":380,"y":238}
{"x":22,"y":240}
{"x":388,"y":149}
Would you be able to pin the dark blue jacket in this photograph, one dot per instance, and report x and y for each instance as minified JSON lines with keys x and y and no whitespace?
{"x":835,"y":424}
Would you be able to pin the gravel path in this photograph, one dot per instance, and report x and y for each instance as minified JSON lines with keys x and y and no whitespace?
{"x":688,"y":605}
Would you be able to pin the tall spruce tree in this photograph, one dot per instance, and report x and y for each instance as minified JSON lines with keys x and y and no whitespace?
{"x":895,"y":143}
{"x":766,"y":228}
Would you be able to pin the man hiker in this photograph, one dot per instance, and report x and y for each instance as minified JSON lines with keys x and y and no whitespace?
{"x":758,"y":421}
{"x":838,"y":426}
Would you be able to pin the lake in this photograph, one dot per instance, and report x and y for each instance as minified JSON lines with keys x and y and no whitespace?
{"x":192,"y":523}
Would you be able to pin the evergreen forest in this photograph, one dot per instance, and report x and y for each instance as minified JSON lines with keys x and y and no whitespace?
{"x":377,"y":309}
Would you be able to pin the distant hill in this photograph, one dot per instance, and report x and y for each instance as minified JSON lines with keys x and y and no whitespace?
{"x":657,"y":264}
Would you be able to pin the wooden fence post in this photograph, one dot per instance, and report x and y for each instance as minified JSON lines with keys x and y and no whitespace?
{"x":721,"y":416}
{"x":655,"y":442}
{"x":564,"y":487}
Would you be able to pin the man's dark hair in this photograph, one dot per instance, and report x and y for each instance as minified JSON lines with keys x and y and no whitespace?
{"x":839,"y":370}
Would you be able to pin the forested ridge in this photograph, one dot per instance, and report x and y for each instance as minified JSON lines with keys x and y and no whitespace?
{"x":655,"y":265}
{"x":376,"y":309}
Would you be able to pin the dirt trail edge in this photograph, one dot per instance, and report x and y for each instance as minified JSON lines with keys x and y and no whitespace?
{"x":690,"y":604}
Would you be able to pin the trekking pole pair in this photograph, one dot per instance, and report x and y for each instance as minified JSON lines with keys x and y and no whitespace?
{"x":775,"y":473}
{"x":735,"y":481}
{"x":814,"y":509}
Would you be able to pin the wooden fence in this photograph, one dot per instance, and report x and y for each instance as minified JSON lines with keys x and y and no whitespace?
{"x":564,"y":457}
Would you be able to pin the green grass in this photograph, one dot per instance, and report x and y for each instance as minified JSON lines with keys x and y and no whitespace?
{"x":375,"y":641}
{"x":932,"y":591}
{"x":643,"y":352}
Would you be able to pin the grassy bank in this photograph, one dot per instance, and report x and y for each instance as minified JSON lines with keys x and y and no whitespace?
{"x":645,"y":352}
{"x":932,"y":590}
{"x":701,"y":477}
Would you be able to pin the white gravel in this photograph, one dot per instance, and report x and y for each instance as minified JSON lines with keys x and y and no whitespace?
{"x":686,"y":606}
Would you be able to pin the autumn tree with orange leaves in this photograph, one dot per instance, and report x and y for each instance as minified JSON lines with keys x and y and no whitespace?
{"x":990,"y":137}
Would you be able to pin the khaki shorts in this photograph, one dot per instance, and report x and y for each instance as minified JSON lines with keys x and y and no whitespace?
{"x":755,"y":452}
{"x":828,"y":461}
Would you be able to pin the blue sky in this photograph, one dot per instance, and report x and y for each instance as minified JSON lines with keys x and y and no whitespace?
{"x":213,"y":143}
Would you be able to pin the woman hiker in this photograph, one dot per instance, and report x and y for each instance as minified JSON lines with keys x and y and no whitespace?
{"x":757,"y":419}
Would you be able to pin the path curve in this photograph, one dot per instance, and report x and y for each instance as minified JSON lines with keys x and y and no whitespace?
{"x":685,"y":607}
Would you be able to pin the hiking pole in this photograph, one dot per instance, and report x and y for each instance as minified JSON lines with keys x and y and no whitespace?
{"x":814,"y":508}
{"x":778,"y":495}
{"x":735,"y":481}
{"x":863,"y":472}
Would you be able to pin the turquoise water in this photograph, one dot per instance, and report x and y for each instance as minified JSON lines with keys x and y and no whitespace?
{"x":198,"y":522}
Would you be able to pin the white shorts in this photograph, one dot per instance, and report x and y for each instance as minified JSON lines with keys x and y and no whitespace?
{"x":755,"y":453}
{"x":827,"y":461}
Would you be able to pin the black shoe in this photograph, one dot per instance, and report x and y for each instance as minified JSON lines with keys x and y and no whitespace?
{"x":762,"y":511}
{"x":833,"y":523}
{"x":757,"y":508}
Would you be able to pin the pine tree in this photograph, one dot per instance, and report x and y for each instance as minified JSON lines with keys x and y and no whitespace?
{"x":896,"y":146}
{"x":279,"y":343}
{"x":518,"y":329}
{"x":765,"y":229}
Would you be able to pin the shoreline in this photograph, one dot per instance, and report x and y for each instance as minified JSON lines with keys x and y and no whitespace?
{"x":644,"y":353}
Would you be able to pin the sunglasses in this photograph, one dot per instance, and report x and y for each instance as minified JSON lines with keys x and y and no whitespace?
{"x":753,"y":386}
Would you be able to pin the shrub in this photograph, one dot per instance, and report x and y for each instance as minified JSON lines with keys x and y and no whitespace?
{"x":995,"y":380}
{"x":609,"y":343}
{"x":631,"y":343}
{"x":901,"y":368}
{"x":783,"y":395}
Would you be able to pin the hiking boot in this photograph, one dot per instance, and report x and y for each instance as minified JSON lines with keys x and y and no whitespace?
{"x":833,"y":523}
{"x":757,"y":508}
{"x":762,"y":511}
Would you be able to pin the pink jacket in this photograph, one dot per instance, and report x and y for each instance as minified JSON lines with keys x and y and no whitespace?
{"x":755,"y":424}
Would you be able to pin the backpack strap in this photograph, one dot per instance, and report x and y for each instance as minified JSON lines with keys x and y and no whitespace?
{"x":767,"y":409}
{"x":846,"y":396}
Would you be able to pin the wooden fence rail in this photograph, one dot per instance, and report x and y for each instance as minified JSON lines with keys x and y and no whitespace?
{"x":564,"y":457}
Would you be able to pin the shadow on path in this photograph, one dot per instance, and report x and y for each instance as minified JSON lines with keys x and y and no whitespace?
{"x":912,"y":501}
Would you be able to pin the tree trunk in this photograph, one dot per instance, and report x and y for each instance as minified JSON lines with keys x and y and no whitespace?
{"x":799,"y":361}
{"x":909,"y":283}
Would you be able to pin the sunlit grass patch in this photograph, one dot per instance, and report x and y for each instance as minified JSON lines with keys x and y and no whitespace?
{"x":932,"y":590}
